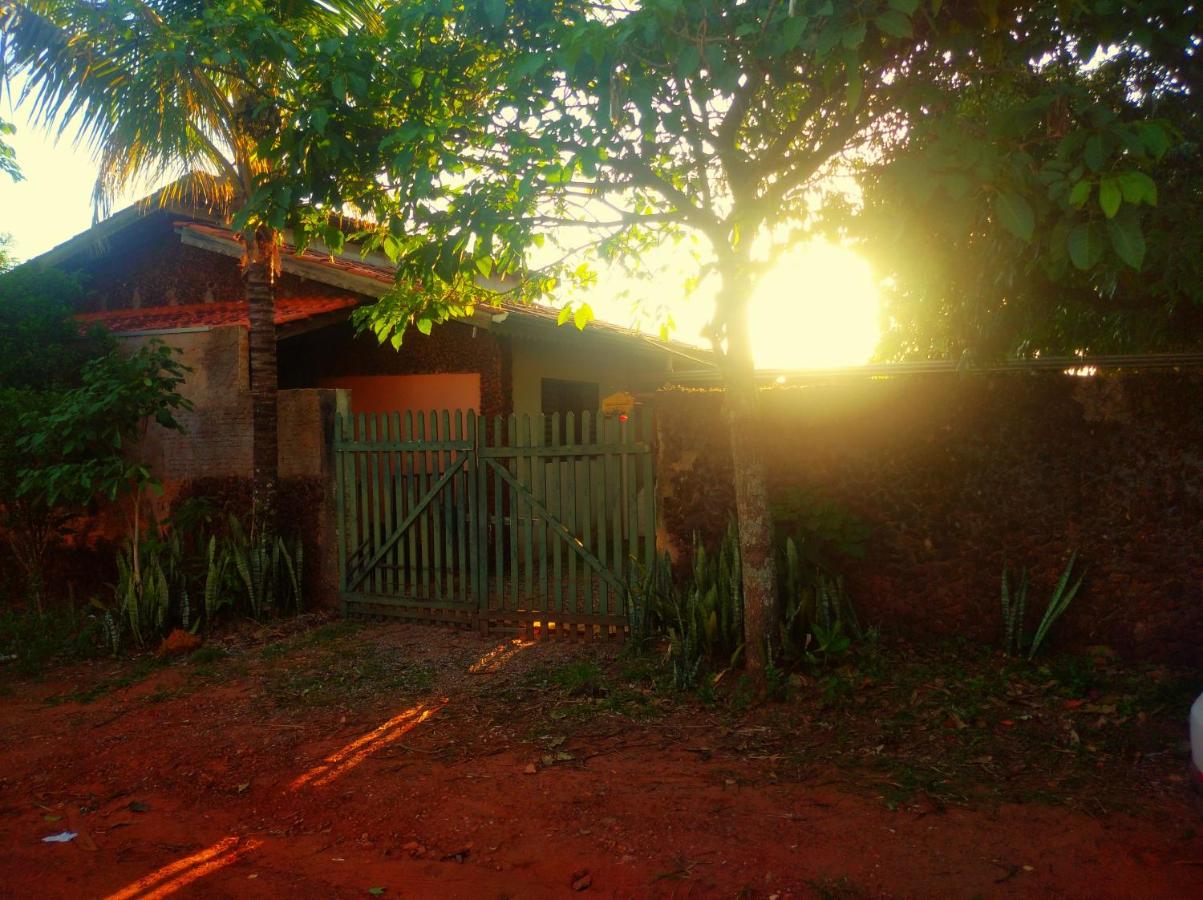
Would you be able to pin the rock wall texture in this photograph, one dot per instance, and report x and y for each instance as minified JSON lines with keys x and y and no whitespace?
{"x":956,"y":475}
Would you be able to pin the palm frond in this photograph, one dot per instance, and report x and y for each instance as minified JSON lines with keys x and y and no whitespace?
{"x":135,"y":82}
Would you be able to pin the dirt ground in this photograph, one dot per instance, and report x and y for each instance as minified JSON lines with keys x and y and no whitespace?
{"x":405,"y":761}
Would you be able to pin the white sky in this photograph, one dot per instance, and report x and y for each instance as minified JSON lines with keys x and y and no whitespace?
{"x":818,"y":308}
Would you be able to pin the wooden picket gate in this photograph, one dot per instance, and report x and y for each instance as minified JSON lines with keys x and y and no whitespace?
{"x":527,"y":523}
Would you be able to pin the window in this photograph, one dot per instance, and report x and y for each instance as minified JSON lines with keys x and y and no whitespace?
{"x":561,"y":397}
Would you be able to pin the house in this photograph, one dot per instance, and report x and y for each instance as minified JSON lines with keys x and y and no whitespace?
{"x":173,"y":272}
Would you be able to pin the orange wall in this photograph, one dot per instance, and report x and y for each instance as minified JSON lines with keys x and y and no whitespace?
{"x":388,"y":393}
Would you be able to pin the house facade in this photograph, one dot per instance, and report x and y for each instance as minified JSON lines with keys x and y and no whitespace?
{"x":175,"y":274}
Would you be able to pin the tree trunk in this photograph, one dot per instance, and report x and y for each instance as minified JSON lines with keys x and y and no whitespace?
{"x":751,"y":492}
{"x":260,"y":297}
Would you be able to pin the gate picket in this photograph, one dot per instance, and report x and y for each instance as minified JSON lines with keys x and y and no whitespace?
{"x":556,"y":504}
{"x":539,"y":600}
{"x":569,"y":469}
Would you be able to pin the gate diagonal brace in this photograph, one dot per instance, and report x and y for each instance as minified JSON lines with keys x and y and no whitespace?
{"x":558,"y":527}
{"x":452,"y":470}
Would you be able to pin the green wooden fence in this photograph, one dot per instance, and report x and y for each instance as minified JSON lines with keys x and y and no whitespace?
{"x":505,"y":525}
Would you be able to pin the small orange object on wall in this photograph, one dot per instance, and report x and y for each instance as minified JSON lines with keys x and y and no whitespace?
{"x":621,"y":405}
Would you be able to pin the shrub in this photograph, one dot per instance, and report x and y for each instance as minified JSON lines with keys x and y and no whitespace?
{"x":701,"y":618}
{"x":31,"y":640}
{"x":1014,"y":607}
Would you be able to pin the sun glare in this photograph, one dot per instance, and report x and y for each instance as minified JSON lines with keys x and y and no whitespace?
{"x":818,"y":308}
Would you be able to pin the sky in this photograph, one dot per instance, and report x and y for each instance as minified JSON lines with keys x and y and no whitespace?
{"x":818,"y":308}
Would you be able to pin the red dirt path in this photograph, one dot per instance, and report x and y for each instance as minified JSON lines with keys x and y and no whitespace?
{"x":224,"y":791}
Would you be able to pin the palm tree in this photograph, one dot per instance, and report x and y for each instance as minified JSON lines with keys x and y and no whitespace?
{"x":162,"y":90}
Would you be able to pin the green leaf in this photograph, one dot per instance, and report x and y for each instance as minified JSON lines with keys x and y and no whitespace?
{"x":1137,"y":187}
{"x":583,"y":316}
{"x":828,"y":38}
{"x":856,"y":84}
{"x":792,"y":30}
{"x":688,"y":61}
{"x":893,"y":23}
{"x":1080,"y":194}
{"x":1085,"y":245}
{"x":1127,"y":239}
{"x":527,"y":65}
{"x":425,"y":325}
{"x":416,"y":77}
{"x":1093,"y":154}
{"x":1015,"y":214}
{"x":1110,"y":197}
{"x":854,"y":36}
{"x":1155,"y":139}
{"x":376,"y":891}
{"x":565,"y":314}
{"x":495,"y":12}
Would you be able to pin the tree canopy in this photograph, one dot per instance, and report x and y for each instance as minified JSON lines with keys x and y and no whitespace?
{"x":470,"y":146}
{"x":8,"y":156}
{"x":7,"y":259}
{"x":1050,"y":209}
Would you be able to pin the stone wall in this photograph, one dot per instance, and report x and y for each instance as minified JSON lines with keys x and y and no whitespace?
{"x":953,"y":475}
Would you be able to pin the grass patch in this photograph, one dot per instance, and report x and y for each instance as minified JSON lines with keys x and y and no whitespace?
{"x":137,"y":671}
{"x":335,"y":671}
{"x":939,"y":725}
{"x":949,"y":724}
{"x":585,"y":690}
{"x":207,"y":654}
{"x":580,"y":677}
{"x":32,"y":643}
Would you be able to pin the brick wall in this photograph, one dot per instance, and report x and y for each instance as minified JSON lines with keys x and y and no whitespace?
{"x":147,"y":265}
{"x":217,"y":437}
{"x":954,"y":475}
{"x":215,"y":448}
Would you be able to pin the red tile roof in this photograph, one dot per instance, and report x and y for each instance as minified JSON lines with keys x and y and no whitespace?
{"x":209,"y":315}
